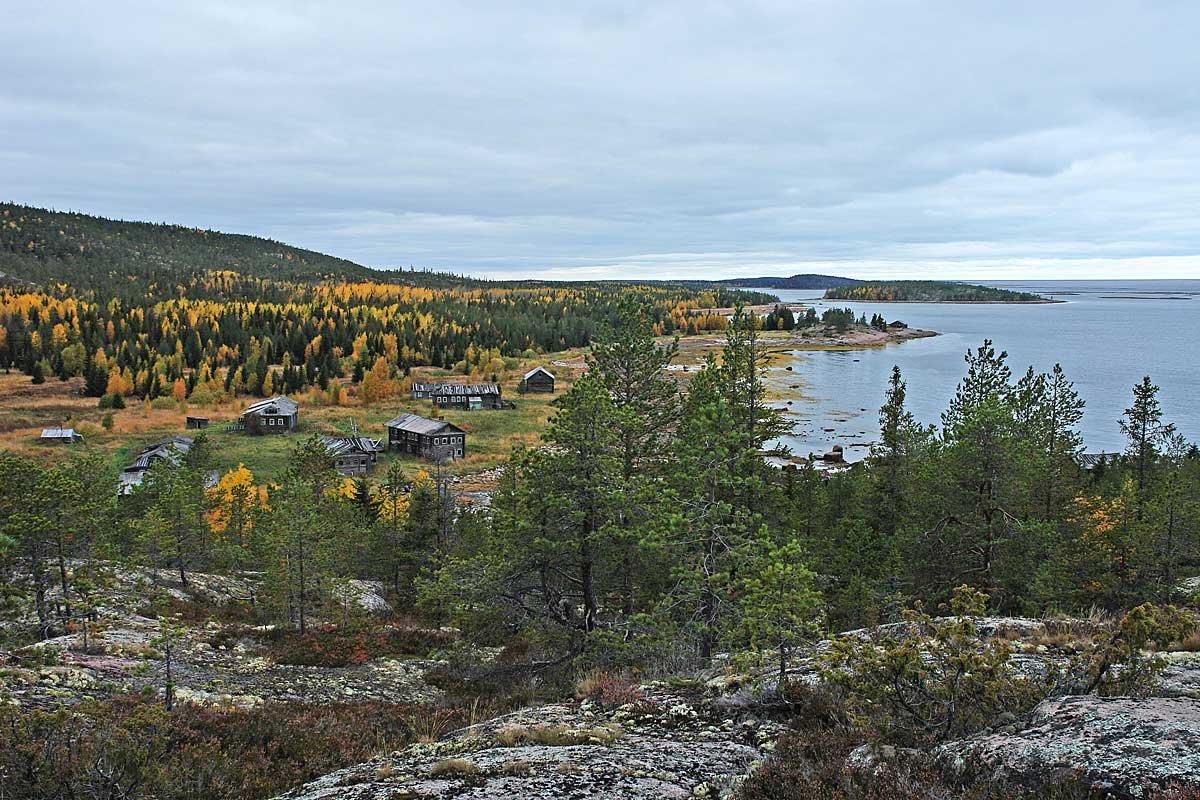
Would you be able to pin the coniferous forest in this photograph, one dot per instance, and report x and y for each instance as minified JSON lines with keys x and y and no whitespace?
{"x":134,"y":307}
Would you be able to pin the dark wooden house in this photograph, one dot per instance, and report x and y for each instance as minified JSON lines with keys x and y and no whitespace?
{"x":352,"y":455}
{"x":422,"y":390}
{"x":171,"y":450}
{"x":467,"y":396}
{"x":434,"y":439}
{"x":538,"y":379}
{"x":276,"y":415}
{"x":197,"y":423}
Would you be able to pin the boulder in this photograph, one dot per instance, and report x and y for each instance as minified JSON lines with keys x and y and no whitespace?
{"x":1119,"y":747}
{"x":365,"y":596}
{"x":663,"y":747}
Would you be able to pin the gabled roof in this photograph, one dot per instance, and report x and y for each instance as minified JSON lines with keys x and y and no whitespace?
{"x":461,"y":389}
{"x":1092,"y":460}
{"x":171,"y":449}
{"x":538,"y":369}
{"x":341,"y":445}
{"x":59,"y":433}
{"x":415,"y":423}
{"x":283,"y":405}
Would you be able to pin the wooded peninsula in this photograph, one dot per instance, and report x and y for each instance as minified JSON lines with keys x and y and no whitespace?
{"x":928,"y":292}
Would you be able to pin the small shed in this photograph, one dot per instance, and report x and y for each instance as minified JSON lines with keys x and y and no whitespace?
{"x":61,"y":435}
{"x":197,"y":423}
{"x":539,"y":379}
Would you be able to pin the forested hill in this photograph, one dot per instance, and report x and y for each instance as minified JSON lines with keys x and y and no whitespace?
{"x":806,"y":281}
{"x":928,"y":292}
{"x":136,"y":307}
{"x":117,"y":257}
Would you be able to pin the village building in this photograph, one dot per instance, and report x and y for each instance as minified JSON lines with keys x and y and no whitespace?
{"x":171,"y":450}
{"x":1090,"y":461}
{"x":61,"y":436}
{"x":275,"y":415}
{"x":462,"y":396}
{"x":538,"y":379}
{"x":422,"y":390}
{"x":468,"y":396}
{"x":197,"y":423}
{"x":434,"y":439}
{"x":352,"y":455}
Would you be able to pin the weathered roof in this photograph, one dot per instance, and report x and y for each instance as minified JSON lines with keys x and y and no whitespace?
{"x":59,"y":433}
{"x":283,"y":405}
{"x":1092,"y":460}
{"x":461,"y":389}
{"x":538,"y":369}
{"x":171,"y":449}
{"x":340,"y":445}
{"x":415,"y":423}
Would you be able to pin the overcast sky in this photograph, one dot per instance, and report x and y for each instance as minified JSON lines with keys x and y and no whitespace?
{"x":567,"y":139}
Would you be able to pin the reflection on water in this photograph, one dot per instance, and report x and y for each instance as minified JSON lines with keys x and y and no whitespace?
{"x":1107,"y":335}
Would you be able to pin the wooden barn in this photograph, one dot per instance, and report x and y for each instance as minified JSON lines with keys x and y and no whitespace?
{"x":197,"y":423}
{"x":276,"y":415}
{"x":538,"y":379}
{"x":434,"y":439}
{"x":352,"y":455}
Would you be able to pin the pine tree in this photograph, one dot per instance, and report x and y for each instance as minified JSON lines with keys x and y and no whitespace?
{"x":1146,"y":433}
{"x":777,"y":601}
{"x":645,"y":403}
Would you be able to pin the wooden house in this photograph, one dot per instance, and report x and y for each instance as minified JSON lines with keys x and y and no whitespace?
{"x":197,"y":423}
{"x":352,"y":455}
{"x":275,"y":415}
{"x":61,"y":436}
{"x":172,"y":450}
{"x":468,"y":396}
{"x":434,"y":439}
{"x":538,"y":379}
{"x":422,"y":390}
{"x":1091,"y":461}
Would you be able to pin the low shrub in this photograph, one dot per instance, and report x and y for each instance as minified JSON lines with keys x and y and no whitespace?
{"x":608,"y":689}
{"x":136,"y":750}
{"x":340,"y":646}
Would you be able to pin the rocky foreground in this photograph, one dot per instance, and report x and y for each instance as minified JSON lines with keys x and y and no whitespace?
{"x":682,"y":738}
{"x":706,"y":742}
{"x":213,"y":661}
{"x":665,"y":745}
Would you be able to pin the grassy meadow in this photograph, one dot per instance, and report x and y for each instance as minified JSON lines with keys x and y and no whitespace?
{"x":26,"y":408}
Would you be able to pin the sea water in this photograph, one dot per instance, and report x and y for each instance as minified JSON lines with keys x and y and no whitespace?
{"x":1106,"y":334}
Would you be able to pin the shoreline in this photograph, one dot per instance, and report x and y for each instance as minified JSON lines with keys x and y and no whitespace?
{"x":810,"y":339}
{"x":1042,"y":302}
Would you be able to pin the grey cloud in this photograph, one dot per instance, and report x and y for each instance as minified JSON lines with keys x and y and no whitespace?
{"x":605,"y":139}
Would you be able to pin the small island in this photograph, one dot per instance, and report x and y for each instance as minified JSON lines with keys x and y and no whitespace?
{"x":929,"y":292}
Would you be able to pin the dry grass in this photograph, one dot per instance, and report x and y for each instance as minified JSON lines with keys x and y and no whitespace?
{"x":557,"y":735}
{"x":608,"y":688}
{"x":26,"y":408}
{"x":454,"y":766}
